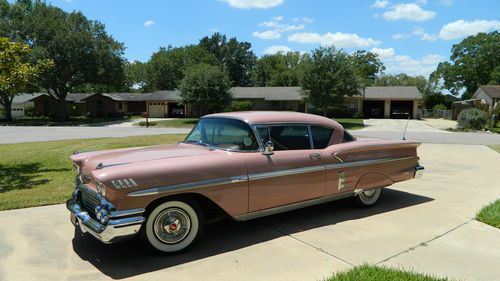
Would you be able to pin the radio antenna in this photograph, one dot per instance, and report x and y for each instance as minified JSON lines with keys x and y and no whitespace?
{"x":406,"y":127}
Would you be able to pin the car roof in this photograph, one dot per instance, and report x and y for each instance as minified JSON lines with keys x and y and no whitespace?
{"x":269,"y":117}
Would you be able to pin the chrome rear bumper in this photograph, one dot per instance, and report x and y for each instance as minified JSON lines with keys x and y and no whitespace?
{"x":419,"y":172}
{"x":119,"y":226}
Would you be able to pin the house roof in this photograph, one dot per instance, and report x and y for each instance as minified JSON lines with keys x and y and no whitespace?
{"x":267,"y":93}
{"x":158,"y":95}
{"x":22,"y":98}
{"x":78,"y":97}
{"x":393,"y":93}
{"x":492,"y":91}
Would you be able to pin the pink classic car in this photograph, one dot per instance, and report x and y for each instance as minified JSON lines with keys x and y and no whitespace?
{"x":243,"y":165}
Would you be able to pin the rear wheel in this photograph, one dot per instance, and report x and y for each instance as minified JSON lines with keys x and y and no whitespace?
{"x":367,"y":198}
{"x":173,"y":226}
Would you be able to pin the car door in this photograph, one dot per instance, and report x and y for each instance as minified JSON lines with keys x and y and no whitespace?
{"x":294,"y":172}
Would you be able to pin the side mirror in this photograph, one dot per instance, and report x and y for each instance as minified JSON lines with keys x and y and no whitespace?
{"x":268,"y":148}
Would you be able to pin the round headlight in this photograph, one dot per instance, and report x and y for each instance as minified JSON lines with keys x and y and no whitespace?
{"x":101,"y":188}
{"x":76,"y":168}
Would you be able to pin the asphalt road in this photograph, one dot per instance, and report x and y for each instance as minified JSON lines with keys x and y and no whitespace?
{"x":426,"y":225}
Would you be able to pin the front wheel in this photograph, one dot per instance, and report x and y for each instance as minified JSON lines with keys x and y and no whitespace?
{"x":367,"y":198}
{"x":173,"y":226}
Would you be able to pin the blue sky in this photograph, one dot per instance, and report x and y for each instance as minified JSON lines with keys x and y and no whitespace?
{"x":410,"y":37}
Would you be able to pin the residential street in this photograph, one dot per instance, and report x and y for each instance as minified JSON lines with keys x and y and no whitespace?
{"x":425,"y":224}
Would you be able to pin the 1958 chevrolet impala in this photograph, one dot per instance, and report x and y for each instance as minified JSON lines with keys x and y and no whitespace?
{"x":242,"y":164}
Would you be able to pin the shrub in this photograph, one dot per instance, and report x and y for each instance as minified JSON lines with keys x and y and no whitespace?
{"x":239,"y":106}
{"x":472,"y":118}
{"x":29,"y":111}
{"x":439,"y":107}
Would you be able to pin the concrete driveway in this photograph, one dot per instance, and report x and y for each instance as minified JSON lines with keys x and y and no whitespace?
{"x":424,"y":224}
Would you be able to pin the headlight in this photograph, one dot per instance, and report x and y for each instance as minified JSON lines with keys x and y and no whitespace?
{"x":76,"y":168}
{"x":101,"y":188}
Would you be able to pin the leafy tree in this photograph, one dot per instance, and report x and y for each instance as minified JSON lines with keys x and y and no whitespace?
{"x":137,"y":76}
{"x":472,"y":64}
{"x":84,"y":55}
{"x":206,"y":88}
{"x":17,"y":75}
{"x":236,"y":57}
{"x":367,"y":66}
{"x":327,"y":77}
{"x":278,"y":70}
{"x":165,"y":68}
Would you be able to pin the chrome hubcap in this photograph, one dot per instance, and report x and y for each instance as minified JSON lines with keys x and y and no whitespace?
{"x":369,"y":193}
{"x":172,"y":225}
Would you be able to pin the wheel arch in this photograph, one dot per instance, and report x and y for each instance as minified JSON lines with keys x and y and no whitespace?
{"x":373,"y":180}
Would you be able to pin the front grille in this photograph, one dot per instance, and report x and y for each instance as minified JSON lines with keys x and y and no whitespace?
{"x":90,"y":200}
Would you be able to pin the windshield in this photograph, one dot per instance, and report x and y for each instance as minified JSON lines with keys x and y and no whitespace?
{"x":223,"y":133}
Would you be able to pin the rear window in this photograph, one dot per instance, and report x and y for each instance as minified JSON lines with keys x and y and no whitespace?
{"x":321,"y":136}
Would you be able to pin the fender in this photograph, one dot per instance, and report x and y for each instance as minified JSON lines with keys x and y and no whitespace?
{"x":373,"y":180}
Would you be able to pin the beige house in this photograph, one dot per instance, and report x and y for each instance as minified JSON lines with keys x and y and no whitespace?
{"x":394,"y":102}
{"x":489,"y":95}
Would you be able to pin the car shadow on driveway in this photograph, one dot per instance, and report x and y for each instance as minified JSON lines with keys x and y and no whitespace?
{"x":131,"y":258}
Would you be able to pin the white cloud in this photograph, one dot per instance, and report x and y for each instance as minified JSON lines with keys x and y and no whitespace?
{"x":396,"y":64}
{"x":462,"y":28}
{"x":249,"y":4}
{"x":384,"y":53}
{"x":277,"y":49}
{"x":339,"y":39}
{"x":267,"y":35}
{"x":424,"y":35}
{"x":148,"y":23}
{"x":380,"y":4}
{"x":409,"y":11}
{"x":399,"y":36}
{"x":276,"y":24}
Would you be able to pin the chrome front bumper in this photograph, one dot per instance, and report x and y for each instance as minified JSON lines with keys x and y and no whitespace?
{"x":119,"y":225}
{"x":419,"y":172}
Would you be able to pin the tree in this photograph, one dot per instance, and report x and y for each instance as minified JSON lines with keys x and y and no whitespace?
{"x":84,"y":55}
{"x":206,"y":88}
{"x":237,"y":58}
{"x":17,"y":75}
{"x":137,"y":76}
{"x":278,"y":70}
{"x":472,"y":63}
{"x":367,"y":66}
{"x":165,"y":68}
{"x":327,"y":77}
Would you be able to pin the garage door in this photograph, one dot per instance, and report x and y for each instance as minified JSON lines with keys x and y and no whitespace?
{"x":401,"y":109}
{"x":156,"y":109}
{"x":373,"y":109}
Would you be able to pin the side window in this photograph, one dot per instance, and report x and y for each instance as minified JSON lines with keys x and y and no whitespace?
{"x":348,"y":137}
{"x":263,"y":133}
{"x":291,"y":137}
{"x":321,"y":136}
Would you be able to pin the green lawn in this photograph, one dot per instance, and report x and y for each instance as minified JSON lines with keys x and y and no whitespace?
{"x":40,"y":173}
{"x":378,"y":273}
{"x":495,"y":147}
{"x":174,"y":123}
{"x":351,"y":123}
{"x":72,"y":121}
{"x":490,"y":214}
{"x":348,"y":123}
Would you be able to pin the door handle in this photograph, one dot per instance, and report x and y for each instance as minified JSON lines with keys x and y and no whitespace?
{"x":315,"y":155}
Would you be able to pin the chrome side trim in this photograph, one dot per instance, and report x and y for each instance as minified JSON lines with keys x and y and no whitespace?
{"x":287,"y":172}
{"x":366,"y":162}
{"x":189,"y":185}
{"x":294,"y":206}
{"x":338,"y":158}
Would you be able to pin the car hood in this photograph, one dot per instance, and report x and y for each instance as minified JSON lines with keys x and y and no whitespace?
{"x":106,"y":158}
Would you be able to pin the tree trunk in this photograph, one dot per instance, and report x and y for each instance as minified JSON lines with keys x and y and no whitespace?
{"x":6,"y":101}
{"x":62,"y":111}
{"x":8,"y":111}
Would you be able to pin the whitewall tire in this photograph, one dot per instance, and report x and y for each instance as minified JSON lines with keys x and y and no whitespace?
{"x":367,"y":198}
{"x":173,"y":226}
